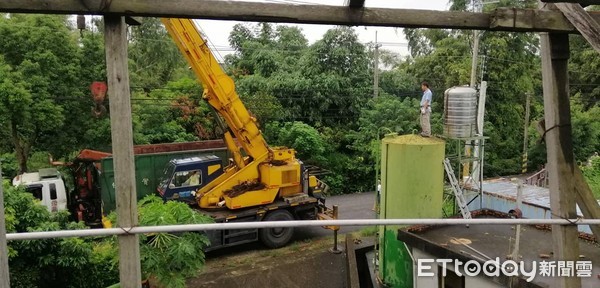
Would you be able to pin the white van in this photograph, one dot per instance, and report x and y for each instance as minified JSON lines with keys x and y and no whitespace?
{"x":47,"y":185}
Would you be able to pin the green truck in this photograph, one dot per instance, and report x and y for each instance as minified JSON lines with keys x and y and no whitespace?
{"x":93,"y":194}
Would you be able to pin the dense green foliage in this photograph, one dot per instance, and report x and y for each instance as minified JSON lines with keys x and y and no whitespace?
{"x":66,"y":262}
{"x":167,"y":259}
{"x":316,"y":98}
{"x":591,"y":171}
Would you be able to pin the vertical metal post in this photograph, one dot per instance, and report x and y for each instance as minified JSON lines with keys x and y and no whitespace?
{"x":477,"y":7}
{"x":481,"y":159}
{"x":376,"y":68}
{"x":475,"y":58}
{"x":478,"y":151}
{"x":122,"y":148}
{"x":526,"y":132}
{"x":335,"y":248}
{"x":377,"y":157}
{"x":4,"y":273}
{"x":515,"y":253}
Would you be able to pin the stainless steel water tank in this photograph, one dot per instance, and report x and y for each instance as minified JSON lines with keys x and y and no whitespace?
{"x":460,"y":114}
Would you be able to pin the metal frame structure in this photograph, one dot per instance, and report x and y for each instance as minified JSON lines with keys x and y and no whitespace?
{"x":470,"y":182}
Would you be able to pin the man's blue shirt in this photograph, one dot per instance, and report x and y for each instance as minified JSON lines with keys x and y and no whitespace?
{"x":427,"y":95}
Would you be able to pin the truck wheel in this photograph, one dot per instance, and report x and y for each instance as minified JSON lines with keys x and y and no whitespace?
{"x":277,"y":237}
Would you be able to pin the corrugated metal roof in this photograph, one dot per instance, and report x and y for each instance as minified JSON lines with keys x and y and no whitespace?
{"x":507,"y":189}
{"x":501,"y":194}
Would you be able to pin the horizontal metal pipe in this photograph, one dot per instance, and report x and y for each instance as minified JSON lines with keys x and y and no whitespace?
{"x":298,"y":223}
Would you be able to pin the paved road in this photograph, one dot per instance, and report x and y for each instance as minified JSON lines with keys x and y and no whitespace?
{"x":351,"y":206}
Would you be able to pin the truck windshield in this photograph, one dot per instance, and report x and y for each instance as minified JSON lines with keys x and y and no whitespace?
{"x":35,"y":190}
{"x":167,"y":174}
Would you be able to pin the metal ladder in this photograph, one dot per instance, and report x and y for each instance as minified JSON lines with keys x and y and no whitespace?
{"x":460,"y":196}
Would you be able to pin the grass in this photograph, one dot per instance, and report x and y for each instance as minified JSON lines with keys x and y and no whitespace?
{"x":592,"y":175}
{"x":245,"y":258}
{"x":448,"y":206}
{"x":368,"y":232}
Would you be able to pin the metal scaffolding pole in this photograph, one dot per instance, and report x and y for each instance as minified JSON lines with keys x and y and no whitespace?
{"x":295,"y":223}
{"x":4,"y":273}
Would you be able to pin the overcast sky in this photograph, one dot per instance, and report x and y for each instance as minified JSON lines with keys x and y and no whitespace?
{"x":391,"y":38}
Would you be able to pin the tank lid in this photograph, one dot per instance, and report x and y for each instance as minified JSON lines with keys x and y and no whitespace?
{"x":461,"y":89}
{"x":413,"y":139}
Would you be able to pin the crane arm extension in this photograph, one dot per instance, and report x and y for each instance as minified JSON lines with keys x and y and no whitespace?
{"x":219,"y":89}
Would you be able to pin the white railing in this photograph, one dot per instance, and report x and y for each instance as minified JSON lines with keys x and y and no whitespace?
{"x":540,"y":179}
{"x":297,"y":223}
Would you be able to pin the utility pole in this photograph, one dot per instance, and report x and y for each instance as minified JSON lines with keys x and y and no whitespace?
{"x":477,"y":7}
{"x":4,"y":274}
{"x":478,"y":150}
{"x":376,"y":68}
{"x":115,"y":41}
{"x":526,"y":132}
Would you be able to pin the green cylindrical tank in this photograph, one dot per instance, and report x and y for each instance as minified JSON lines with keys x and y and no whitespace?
{"x":412,"y":180}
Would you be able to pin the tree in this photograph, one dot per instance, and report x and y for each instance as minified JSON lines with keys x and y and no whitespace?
{"x":90,"y":131}
{"x":337,"y":67}
{"x":398,"y":82}
{"x":586,"y":129}
{"x":306,"y":140}
{"x":443,"y":58}
{"x":333,"y":72}
{"x":41,"y":58}
{"x":15,"y":107}
{"x":155,"y":59}
{"x":583,"y":63}
{"x":185,"y":116}
{"x":591,"y":171}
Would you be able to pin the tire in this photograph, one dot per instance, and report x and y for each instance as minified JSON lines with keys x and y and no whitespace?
{"x":277,"y":237}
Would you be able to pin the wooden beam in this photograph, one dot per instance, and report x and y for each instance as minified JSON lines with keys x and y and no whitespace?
{"x":559,"y":146}
{"x":355,"y":3}
{"x":4,"y":273}
{"x":586,"y":201}
{"x":585,"y":24}
{"x":537,"y":21}
{"x":582,"y":2}
{"x":115,"y":40}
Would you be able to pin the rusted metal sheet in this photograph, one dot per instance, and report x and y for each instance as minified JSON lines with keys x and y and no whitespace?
{"x":176,"y":147}
{"x":94,"y":155}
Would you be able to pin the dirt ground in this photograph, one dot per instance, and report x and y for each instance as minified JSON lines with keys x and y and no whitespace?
{"x":302,"y":264}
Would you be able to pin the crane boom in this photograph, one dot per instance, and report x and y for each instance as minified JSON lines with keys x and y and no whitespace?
{"x":219,"y":89}
{"x":260,"y":175}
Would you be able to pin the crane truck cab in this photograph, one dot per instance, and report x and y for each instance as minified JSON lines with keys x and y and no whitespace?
{"x":46,"y":185}
{"x":183,"y":177}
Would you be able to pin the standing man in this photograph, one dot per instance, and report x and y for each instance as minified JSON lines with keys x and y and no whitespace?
{"x":425,"y":110}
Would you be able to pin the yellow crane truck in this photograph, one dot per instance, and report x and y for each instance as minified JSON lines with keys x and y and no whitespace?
{"x":261,"y":183}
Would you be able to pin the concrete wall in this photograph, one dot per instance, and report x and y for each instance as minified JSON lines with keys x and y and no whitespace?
{"x":433,"y":281}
